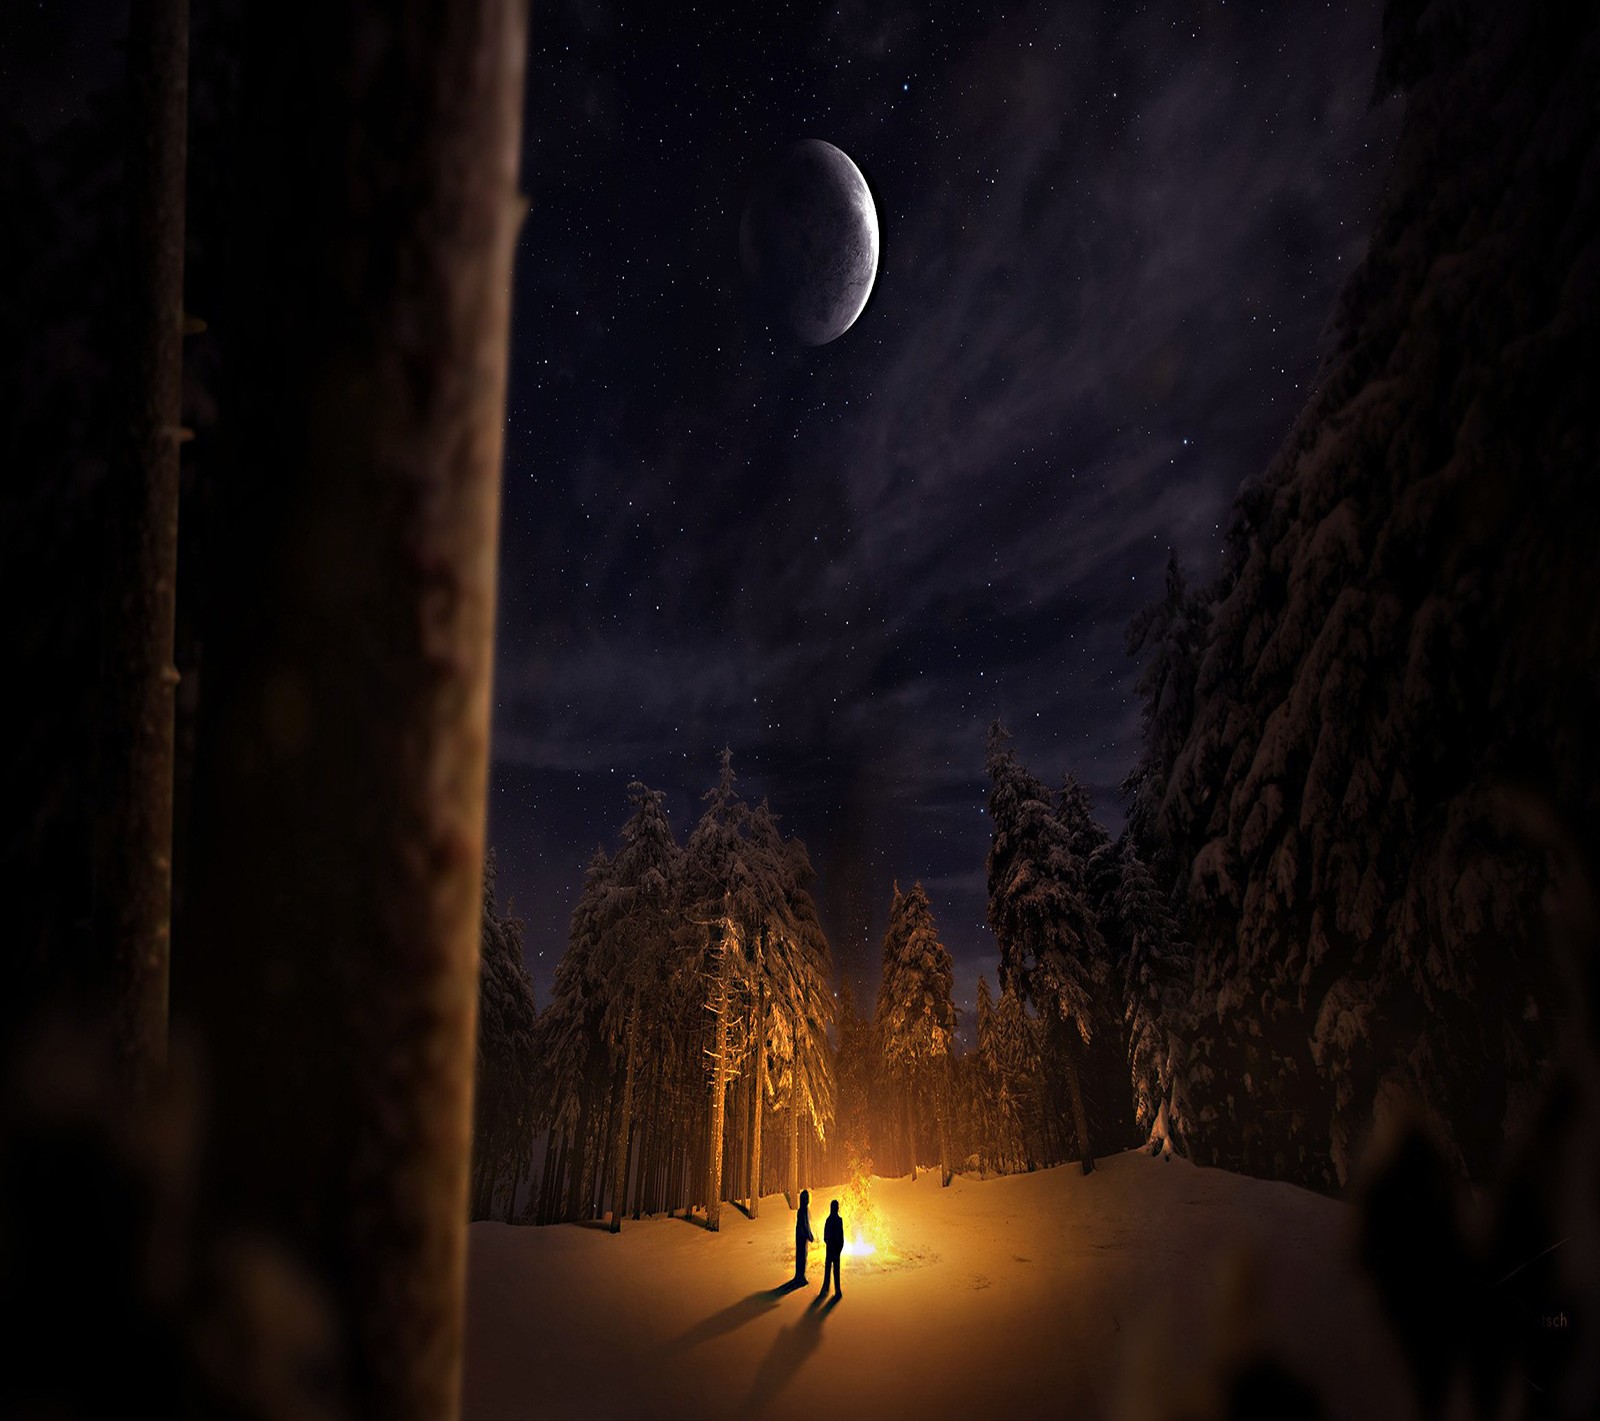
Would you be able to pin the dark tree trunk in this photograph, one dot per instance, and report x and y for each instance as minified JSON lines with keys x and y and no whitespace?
{"x":619,"y":1163}
{"x":649,"y":1143}
{"x":133,"y":845}
{"x":484,"y":1177}
{"x":577,"y":1156}
{"x":547,"y":1177}
{"x":560,"y":1195}
{"x":516,"y":1188}
{"x":906,"y":1133}
{"x":644,"y":1171}
{"x":344,"y":741}
{"x":1080,"y":1119}
{"x":601,"y":1154}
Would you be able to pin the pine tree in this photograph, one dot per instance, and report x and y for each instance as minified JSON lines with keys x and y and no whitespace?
{"x":1012,"y":1049}
{"x":571,"y":1044}
{"x":642,"y":891}
{"x":1098,"y":864}
{"x":1051,"y":951}
{"x":803,"y":1010}
{"x":855,"y":1076}
{"x":503,"y":1095}
{"x":915,"y":1017}
{"x":1401,"y":645}
{"x":985,"y":1082}
{"x":692,"y":1002}
{"x":1170,"y":635}
{"x":742,"y":887}
{"x":1086,"y":836}
{"x":718,"y":894}
{"x":1155,"y":967}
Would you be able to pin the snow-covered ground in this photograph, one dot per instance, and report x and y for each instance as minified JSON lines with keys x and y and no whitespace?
{"x":1042,"y":1294}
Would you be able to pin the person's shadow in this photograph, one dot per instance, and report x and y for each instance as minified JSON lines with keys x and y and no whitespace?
{"x":793,"y":1345}
{"x":733,"y":1317}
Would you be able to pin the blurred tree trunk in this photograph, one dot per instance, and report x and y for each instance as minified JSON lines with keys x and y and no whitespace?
{"x":343,"y":751}
{"x":133,"y":845}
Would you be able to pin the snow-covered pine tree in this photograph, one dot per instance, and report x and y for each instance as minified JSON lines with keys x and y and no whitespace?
{"x":790,"y":969}
{"x":745,"y":923}
{"x":1170,"y":636}
{"x":985,"y":1083}
{"x":503,"y":1096}
{"x":658,"y":936}
{"x":1012,"y":1049}
{"x":916,"y":1016}
{"x":1403,"y":640}
{"x":1097,"y":863}
{"x":571,"y":1047}
{"x":1086,"y":835}
{"x":802,"y":1010}
{"x":718,"y":896}
{"x":640,"y":906}
{"x":1050,"y":946}
{"x":1155,"y":967}
{"x":855,"y":1075}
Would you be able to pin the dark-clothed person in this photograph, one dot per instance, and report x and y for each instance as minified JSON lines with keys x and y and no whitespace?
{"x":802,"y":1235}
{"x":833,"y":1241}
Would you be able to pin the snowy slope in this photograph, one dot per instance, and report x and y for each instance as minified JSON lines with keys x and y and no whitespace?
{"x":1048,"y":1293}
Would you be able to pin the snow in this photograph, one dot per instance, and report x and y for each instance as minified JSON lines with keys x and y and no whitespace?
{"x":1051,"y":1293}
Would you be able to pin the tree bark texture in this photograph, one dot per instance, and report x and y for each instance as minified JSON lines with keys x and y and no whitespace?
{"x":719,"y":1102}
{"x":133,"y":849}
{"x":344,"y":737}
{"x":794,"y":1128}
{"x":942,"y":1085}
{"x":759,"y":1090}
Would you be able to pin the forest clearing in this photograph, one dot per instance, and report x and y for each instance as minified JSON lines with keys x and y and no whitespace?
{"x":1155,"y":1273}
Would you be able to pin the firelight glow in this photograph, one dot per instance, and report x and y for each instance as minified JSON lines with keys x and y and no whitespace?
{"x":868,"y":1233}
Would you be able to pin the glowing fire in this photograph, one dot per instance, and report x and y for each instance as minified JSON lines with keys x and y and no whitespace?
{"x":866,"y":1233}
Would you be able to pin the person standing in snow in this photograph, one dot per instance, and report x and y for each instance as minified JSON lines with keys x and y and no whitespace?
{"x":802,"y":1235}
{"x":833,"y":1240}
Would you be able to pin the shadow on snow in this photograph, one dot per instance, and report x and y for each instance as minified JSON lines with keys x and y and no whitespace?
{"x":733,"y":1317}
{"x":790,"y":1351}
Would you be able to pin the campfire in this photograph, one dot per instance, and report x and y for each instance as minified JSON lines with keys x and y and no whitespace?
{"x":866,"y":1235}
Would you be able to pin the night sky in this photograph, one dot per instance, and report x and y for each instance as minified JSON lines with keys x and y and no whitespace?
{"x":1110,"y":242}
